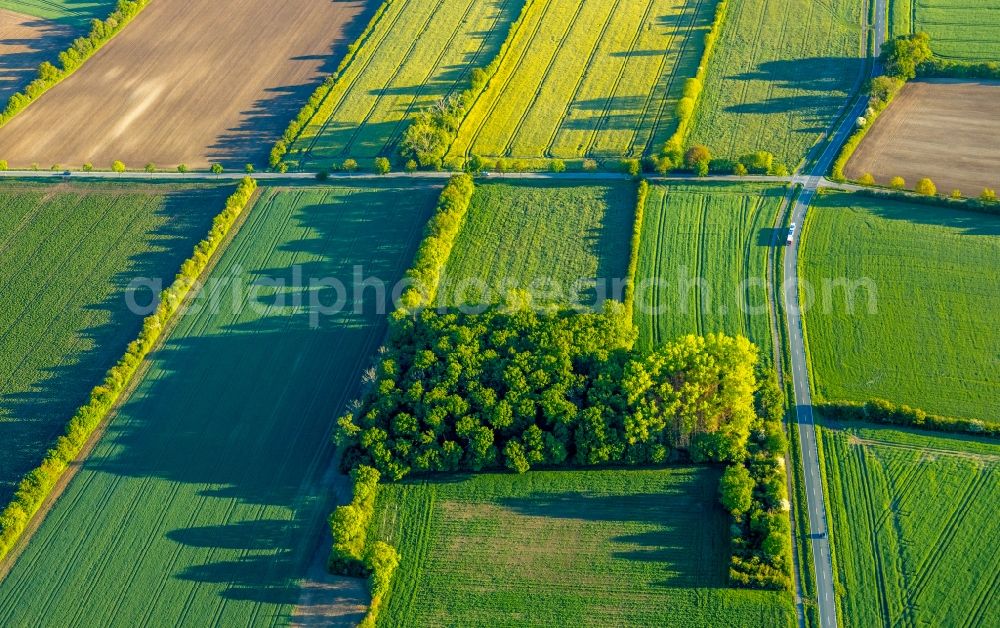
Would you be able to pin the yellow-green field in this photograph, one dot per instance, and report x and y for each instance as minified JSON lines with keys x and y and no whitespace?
{"x":419,"y":52}
{"x":589,"y":79}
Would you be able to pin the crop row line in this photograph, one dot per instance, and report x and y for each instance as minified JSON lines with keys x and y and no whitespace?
{"x":869,"y":508}
{"x":541,"y":82}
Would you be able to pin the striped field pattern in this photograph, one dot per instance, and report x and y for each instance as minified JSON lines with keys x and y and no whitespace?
{"x":201,"y":504}
{"x":589,"y":79}
{"x":912,"y":518}
{"x":961,"y":30}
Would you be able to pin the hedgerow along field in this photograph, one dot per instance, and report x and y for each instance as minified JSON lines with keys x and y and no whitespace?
{"x":202,"y":502}
{"x":548,"y":238}
{"x":588,"y":79}
{"x":911,"y":515}
{"x":76,"y":13}
{"x":70,"y":252}
{"x":703,"y":262}
{"x":960,"y":30}
{"x":929,"y":342}
{"x":608,"y":547}
{"x":417,"y":54}
{"x":780,"y":75}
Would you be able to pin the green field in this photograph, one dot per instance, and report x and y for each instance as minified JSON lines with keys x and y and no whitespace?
{"x":75,"y":12}
{"x":931,"y":341}
{"x":547,"y":238}
{"x":781,"y":74}
{"x":419,"y":52}
{"x":914,"y":526}
{"x":962,"y":30}
{"x":69,"y":254}
{"x":565,"y":548}
{"x":589,"y":79}
{"x":201,"y":504}
{"x":703,"y":262}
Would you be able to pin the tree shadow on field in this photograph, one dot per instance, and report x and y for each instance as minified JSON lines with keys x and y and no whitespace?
{"x":19,"y":68}
{"x":38,"y":411}
{"x":956,"y":218}
{"x":825,"y":82}
{"x":240,"y":403}
{"x":684,"y":545}
{"x":264,"y":122}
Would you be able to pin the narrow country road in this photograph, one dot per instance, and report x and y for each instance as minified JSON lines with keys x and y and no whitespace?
{"x":819,"y":532}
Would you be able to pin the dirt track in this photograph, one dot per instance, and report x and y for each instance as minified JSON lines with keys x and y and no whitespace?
{"x":25,"y":42}
{"x":188,"y":82}
{"x":943,"y":129}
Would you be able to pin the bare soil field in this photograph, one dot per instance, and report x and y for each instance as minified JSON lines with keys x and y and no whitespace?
{"x":188,"y":82}
{"x":943,"y":129}
{"x":26,"y":41}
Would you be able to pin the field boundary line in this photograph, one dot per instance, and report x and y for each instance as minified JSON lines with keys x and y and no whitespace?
{"x":38,"y":517}
{"x":866,"y":482}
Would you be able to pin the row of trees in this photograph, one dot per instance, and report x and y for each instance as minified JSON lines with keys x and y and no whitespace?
{"x":882,"y":411}
{"x":698,"y":159}
{"x":927,"y":187}
{"x":517,"y":388}
{"x":754,"y":490}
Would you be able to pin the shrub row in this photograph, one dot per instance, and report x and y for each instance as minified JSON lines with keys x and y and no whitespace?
{"x":755,"y":492}
{"x":693,"y":87}
{"x":967,"y":204}
{"x":942,"y":68}
{"x":299,"y":122}
{"x":39,"y":483}
{"x":432,"y":132}
{"x":352,"y":555}
{"x":885,"y":412}
{"x":349,"y":524}
{"x":882,"y":92}
{"x":82,"y":48}
{"x":439,"y":239}
{"x":633,"y":260}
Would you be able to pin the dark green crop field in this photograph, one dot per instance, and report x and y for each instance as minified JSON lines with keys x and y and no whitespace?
{"x":75,"y":12}
{"x":69,"y":253}
{"x":565,"y":548}
{"x":906,"y":304}
{"x":703,"y":261}
{"x":914,"y":523}
{"x":201,"y":504}
{"x":550,"y":238}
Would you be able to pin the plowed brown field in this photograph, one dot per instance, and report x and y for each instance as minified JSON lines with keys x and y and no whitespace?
{"x":25,"y":42}
{"x":188,"y":82}
{"x":944,"y":129}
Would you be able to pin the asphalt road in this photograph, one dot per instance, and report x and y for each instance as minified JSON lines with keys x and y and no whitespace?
{"x":816,"y":503}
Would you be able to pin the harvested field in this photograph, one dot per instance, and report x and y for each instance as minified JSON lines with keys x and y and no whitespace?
{"x":26,"y":41}
{"x":218,"y":82}
{"x":76,"y":13}
{"x":607,"y":547}
{"x":942,"y":129}
{"x":202,"y":505}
